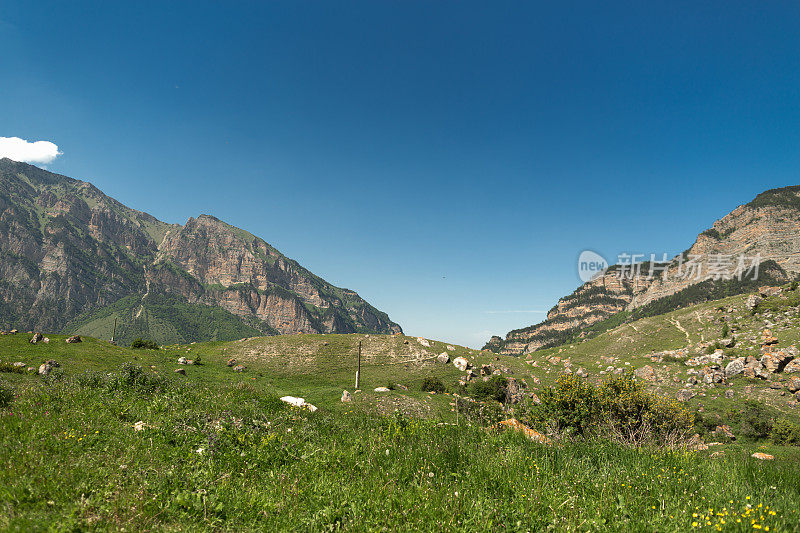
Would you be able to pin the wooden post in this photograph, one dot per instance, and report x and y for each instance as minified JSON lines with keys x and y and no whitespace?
{"x":114,"y":335}
{"x":358,"y":372}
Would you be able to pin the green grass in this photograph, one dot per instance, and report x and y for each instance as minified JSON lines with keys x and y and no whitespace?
{"x":396,"y":461}
{"x":73,"y":461}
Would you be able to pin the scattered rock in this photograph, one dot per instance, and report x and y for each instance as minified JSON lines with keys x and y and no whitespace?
{"x":74,"y":339}
{"x":182,"y":361}
{"x":752,"y":301}
{"x":181,"y":371}
{"x":47,"y":367}
{"x":461,"y":363}
{"x":382,"y":389}
{"x":515,"y":425}
{"x":139,"y":426}
{"x":298,"y":402}
{"x":239,"y":368}
{"x":423,"y":342}
{"x":451,"y":348}
{"x":696,"y":443}
{"x":792,"y":367}
{"x":443,"y":358}
{"x":729,"y":394}
{"x":724,"y":432}
{"x":735,"y":367}
{"x":346,"y":397}
{"x":776,"y":385}
{"x":646,"y":373}
{"x":793,"y":385}
{"x":711,"y":359}
{"x":581,"y":373}
{"x":763,"y":456}
{"x":775,"y":361}
{"x":37,"y":338}
{"x":766,"y":292}
{"x":685,"y":395}
{"x":486,"y":370}
{"x":231,"y":362}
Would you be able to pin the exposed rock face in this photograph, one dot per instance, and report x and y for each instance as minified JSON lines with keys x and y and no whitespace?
{"x":66,"y":250}
{"x":767,"y":226}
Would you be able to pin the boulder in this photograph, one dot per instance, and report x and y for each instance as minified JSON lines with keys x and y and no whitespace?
{"x":239,"y":368}
{"x":486,"y":370}
{"x":515,"y":425}
{"x":298,"y":402}
{"x":346,"y":397}
{"x":46,"y":340}
{"x":382,"y":389}
{"x":767,"y":338}
{"x":729,"y":394}
{"x":775,"y":361}
{"x":792,"y":367}
{"x":443,"y":358}
{"x":423,"y":342}
{"x":752,"y":301}
{"x":724,"y":432}
{"x":37,"y":338}
{"x":461,"y":363}
{"x":728,"y":343}
{"x":735,"y":367}
{"x":47,"y":367}
{"x":231,"y":362}
{"x":451,"y":348}
{"x":581,"y":373}
{"x":763,"y":456}
{"x":793,"y":385}
{"x":74,"y":339}
{"x":646,"y":373}
{"x":514,"y":391}
{"x":766,"y":291}
{"x":181,"y":371}
{"x":710,"y":359}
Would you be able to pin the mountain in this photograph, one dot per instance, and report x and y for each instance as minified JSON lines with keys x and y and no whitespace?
{"x":768,"y":227}
{"x":73,"y":259}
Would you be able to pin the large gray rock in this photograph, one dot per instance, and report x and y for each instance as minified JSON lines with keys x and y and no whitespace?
{"x":735,"y":367}
{"x":47,"y":367}
{"x":793,"y":385}
{"x":443,"y":358}
{"x":752,"y":301}
{"x":461,"y":363}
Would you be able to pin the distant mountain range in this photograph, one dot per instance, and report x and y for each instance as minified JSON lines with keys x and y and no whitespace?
{"x":75,"y":260}
{"x":768,"y":227}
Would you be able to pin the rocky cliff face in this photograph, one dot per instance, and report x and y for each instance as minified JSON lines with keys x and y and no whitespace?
{"x":768,"y":228}
{"x":66,"y":250}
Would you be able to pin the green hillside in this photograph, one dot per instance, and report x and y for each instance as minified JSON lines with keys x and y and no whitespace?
{"x":165,"y":319}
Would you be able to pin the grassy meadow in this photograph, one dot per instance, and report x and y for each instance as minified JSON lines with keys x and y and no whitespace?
{"x":115,"y":440}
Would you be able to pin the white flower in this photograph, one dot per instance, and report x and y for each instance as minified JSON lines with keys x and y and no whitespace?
{"x":200,"y":451}
{"x":387,"y":453}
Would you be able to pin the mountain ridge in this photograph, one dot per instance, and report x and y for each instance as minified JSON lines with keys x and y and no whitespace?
{"x":767,"y":226}
{"x":67,"y":250}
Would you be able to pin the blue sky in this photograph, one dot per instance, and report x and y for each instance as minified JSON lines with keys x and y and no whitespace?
{"x":447,"y":160}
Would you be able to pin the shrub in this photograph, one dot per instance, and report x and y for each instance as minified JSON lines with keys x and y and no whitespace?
{"x":620,"y":409}
{"x":484,"y":413}
{"x":570,"y":407}
{"x":132,"y":376}
{"x":6,"y":394}
{"x":793,"y":286}
{"x":725,"y":330}
{"x":144,"y":344}
{"x":493,"y":389}
{"x":753,"y":420}
{"x":785,"y":433}
{"x":432,"y":384}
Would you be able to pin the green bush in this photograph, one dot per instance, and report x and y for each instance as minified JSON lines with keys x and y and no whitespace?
{"x":752,"y":421}
{"x":144,"y":344}
{"x":785,"y":433}
{"x":432,"y":384}
{"x":620,"y":408}
{"x":493,"y":389}
{"x":725,"y":330}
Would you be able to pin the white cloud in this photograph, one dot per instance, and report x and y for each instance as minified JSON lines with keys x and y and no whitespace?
{"x":39,"y":152}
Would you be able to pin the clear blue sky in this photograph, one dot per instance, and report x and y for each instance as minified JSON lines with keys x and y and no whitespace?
{"x":447,"y":160}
